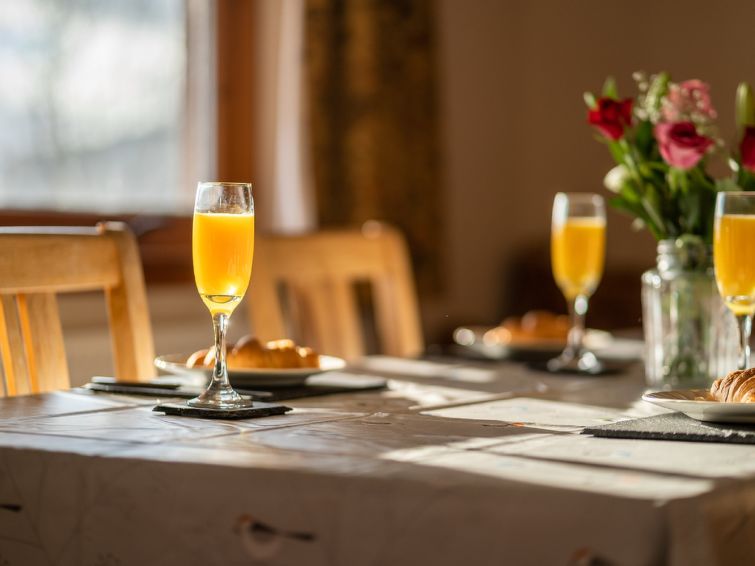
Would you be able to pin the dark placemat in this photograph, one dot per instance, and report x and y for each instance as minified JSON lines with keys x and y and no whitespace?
{"x":256,"y":411}
{"x":676,"y":426}
{"x":323,"y":387}
{"x":609,"y":367}
{"x":320,"y":386}
{"x":183,"y":392}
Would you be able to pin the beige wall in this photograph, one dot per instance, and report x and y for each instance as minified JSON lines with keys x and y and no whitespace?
{"x":512,"y":77}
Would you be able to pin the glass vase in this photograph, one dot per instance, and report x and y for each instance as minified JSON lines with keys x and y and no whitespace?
{"x":690,"y":335}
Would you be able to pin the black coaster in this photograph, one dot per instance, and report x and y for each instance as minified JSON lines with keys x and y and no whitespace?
{"x":257,"y":410}
{"x":676,"y":426}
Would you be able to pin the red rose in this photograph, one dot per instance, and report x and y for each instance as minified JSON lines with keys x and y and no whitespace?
{"x":747,"y":149}
{"x":611,"y":116}
{"x":680,"y":144}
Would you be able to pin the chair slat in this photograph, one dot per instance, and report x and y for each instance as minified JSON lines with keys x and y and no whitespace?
{"x":396,"y":301}
{"x":12,"y":349}
{"x":320,"y":269}
{"x":267,"y":318}
{"x":320,"y":329}
{"x":32,"y":263}
{"x":130,"y":328}
{"x":43,"y":341}
{"x":344,"y":310}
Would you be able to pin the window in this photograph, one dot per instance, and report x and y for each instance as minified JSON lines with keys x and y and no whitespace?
{"x":95,"y":100}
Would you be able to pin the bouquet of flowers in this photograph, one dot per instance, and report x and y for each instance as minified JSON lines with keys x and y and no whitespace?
{"x":662,"y":141}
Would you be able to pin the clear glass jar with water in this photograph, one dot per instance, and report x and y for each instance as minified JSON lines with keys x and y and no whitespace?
{"x":690,"y":335}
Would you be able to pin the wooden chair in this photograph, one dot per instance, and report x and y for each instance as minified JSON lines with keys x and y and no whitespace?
{"x":303,"y":287}
{"x":37,"y":263}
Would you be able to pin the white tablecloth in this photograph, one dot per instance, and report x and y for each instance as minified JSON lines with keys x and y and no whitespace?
{"x":457,"y":463}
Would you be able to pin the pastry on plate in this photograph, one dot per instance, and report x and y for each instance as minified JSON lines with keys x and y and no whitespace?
{"x":249,"y":353}
{"x":197,"y":359}
{"x":534,"y":326}
{"x":737,"y":387}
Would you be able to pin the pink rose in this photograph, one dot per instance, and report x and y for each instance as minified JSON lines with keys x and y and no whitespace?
{"x":747,"y":149}
{"x":680,"y":144}
{"x":689,"y":100}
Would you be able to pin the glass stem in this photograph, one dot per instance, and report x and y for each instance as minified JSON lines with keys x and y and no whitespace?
{"x":577,"y":312}
{"x":220,"y":373}
{"x":744,"y":321}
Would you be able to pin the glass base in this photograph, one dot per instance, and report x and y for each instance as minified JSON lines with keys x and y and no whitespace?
{"x":571,"y":362}
{"x":218,"y":397}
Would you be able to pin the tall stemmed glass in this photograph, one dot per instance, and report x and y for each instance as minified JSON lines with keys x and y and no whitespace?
{"x":734,"y":261}
{"x":578,"y":241}
{"x":223,"y":249}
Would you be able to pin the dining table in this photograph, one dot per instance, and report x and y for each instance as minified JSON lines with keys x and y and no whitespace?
{"x":456,"y":461}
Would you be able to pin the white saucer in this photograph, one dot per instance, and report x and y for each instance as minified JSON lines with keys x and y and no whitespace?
{"x":700,"y":405}
{"x":267,"y":377}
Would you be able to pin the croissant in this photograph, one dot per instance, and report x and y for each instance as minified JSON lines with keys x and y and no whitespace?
{"x":737,"y":387}
{"x":248,"y":353}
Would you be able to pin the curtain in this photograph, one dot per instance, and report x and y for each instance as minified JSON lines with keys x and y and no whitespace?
{"x":283,"y":191}
{"x":373,"y":129}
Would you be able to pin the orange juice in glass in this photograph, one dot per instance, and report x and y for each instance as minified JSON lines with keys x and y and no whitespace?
{"x":577,"y":252}
{"x":578,"y":241}
{"x":222,"y":250}
{"x":734,"y":261}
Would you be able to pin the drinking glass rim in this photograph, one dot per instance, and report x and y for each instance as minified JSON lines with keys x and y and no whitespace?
{"x":722,"y":202}
{"x":737,"y":193}
{"x":577,"y":196}
{"x":223,"y":184}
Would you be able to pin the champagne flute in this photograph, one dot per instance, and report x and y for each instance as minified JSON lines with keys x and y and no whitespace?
{"x":733,"y":237}
{"x":223,"y":249}
{"x":578,"y":240}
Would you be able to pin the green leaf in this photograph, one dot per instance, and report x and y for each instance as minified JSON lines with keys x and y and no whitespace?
{"x":630,"y":199}
{"x":653,"y":205}
{"x":617,"y":151}
{"x":744,"y":110}
{"x":644,"y":139}
{"x":707,"y":208}
{"x":653,"y":196}
{"x":746,"y":180}
{"x":629,"y":193}
{"x":590,"y":100}
{"x":691,"y":208}
{"x":624,"y":205}
{"x":609,"y":88}
{"x":726,"y":184}
{"x":674,"y":179}
{"x":634,"y":210}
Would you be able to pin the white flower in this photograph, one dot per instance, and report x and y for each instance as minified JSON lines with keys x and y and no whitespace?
{"x":615,"y":178}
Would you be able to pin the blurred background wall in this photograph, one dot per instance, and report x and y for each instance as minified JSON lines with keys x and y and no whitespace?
{"x":514,"y":133}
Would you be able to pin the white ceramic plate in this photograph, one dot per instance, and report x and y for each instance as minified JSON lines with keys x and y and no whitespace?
{"x":470,"y":339}
{"x":176,"y":364}
{"x":700,"y":405}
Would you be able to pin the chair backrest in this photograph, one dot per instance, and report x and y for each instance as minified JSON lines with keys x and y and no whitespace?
{"x":304,"y":287}
{"x":37,"y":263}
